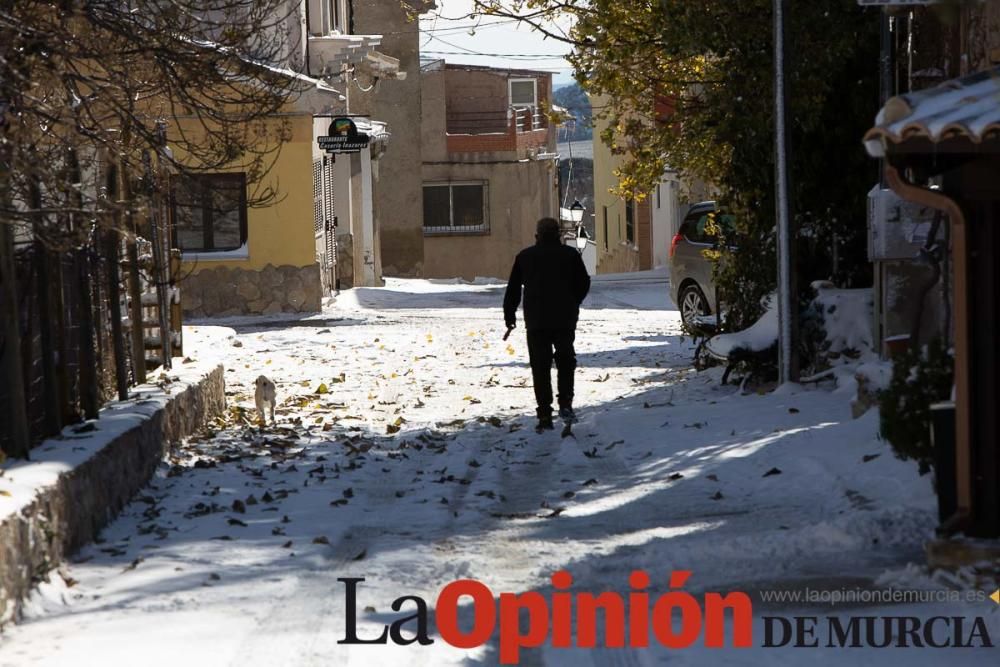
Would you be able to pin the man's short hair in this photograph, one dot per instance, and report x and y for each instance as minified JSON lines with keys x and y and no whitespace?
{"x":548,"y":228}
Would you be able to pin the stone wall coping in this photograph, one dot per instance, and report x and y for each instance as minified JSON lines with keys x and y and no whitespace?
{"x":21,"y":481}
{"x":78,"y":481}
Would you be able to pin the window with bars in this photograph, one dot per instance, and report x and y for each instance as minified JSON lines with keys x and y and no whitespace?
{"x":456,"y":208}
{"x":630,"y":221}
{"x":209,"y":212}
{"x":317,"y":196}
{"x":330,"y":210}
{"x":605,"y":227}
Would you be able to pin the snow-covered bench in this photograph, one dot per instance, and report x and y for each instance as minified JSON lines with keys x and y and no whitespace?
{"x":749,"y":345}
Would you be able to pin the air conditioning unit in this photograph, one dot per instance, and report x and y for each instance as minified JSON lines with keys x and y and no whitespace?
{"x":897,"y":229}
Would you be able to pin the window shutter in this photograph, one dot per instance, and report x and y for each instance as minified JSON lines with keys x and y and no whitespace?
{"x":318,"y":196}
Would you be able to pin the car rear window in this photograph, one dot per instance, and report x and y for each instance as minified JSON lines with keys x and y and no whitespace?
{"x":693,"y":228}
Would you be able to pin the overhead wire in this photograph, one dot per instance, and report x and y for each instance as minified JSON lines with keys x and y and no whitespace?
{"x":536,"y":56}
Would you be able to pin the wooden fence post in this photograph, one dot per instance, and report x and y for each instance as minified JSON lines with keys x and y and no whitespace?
{"x":46,"y":323}
{"x":88,"y":361}
{"x":114,"y":297}
{"x":134,"y":284}
{"x":87,"y":367}
{"x":160,"y":268}
{"x":111,"y":250}
{"x":14,"y":421}
{"x":43,"y":291}
{"x":67,"y":409}
{"x":176,"y":313}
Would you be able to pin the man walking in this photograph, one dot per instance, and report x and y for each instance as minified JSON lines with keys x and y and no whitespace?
{"x":555,"y":282}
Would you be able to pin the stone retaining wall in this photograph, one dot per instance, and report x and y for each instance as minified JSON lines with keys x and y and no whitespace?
{"x":225,"y":291}
{"x":69,"y":513}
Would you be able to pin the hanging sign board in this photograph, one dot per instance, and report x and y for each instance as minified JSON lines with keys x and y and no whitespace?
{"x":343,"y":137}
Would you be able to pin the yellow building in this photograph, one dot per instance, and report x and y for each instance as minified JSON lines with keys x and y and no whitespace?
{"x":631,"y":235}
{"x":318,"y":233}
{"x":238,"y":259}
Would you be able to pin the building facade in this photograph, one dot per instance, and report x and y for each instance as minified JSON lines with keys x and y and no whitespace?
{"x":318,"y":233}
{"x":938,"y":138}
{"x":624,"y":227}
{"x":398,"y":197}
{"x":635,"y":235}
{"x":489,"y":167}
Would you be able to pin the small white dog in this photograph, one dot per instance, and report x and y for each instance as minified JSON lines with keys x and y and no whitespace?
{"x":264,"y":396}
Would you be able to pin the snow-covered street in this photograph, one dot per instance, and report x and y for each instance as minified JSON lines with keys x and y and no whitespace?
{"x":404,"y":454}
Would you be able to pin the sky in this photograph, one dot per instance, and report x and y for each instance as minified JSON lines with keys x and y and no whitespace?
{"x":448,"y":32}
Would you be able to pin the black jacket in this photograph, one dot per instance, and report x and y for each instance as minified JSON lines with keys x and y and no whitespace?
{"x":555,"y":283}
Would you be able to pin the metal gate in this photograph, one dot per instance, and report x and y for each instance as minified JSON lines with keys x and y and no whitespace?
{"x":325,"y":223}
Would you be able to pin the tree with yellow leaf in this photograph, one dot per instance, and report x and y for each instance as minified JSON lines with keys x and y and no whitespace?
{"x":689,"y":87}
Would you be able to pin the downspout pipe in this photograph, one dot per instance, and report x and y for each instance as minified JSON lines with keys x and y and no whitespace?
{"x":305,"y":35}
{"x":963,"y":422}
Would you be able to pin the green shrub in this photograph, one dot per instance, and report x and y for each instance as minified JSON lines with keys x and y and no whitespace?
{"x":918,"y":380}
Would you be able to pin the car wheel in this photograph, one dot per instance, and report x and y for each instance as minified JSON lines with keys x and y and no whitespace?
{"x":692,"y":303}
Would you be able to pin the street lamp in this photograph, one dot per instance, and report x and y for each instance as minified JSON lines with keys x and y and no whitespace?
{"x":581,"y":239}
{"x":576,"y":212}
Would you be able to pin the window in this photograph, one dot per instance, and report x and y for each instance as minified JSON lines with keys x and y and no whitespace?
{"x":630,"y":221}
{"x":455,"y":208}
{"x":523,"y":92}
{"x":694,"y":227}
{"x":657,"y":195}
{"x":326,"y":17}
{"x":605,"y":227}
{"x":210,"y":212}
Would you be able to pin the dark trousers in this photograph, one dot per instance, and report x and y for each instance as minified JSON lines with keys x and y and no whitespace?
{"x":544,"y":345}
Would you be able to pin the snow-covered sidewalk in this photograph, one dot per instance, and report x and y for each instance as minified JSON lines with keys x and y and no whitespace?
{"x":404,"y":454}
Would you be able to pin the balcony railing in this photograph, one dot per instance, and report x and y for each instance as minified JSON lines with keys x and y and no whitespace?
{"x":513,"y":120}
{"x":522,"y":131}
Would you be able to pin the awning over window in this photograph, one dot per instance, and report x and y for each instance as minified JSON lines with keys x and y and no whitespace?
{"x":966,"y":108}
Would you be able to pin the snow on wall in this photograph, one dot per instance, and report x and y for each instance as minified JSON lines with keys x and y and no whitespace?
{"x":76,"y":482}
{"x":847,"y":317}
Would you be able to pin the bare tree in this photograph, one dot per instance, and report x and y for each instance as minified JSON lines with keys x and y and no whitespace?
{"x":99,"y":99}
{"x":108,"y":78}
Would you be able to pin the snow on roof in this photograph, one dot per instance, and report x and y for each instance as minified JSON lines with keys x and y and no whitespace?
{"x":319,"y":84}
{"x":309,"y":81}
{"x":968,"y":107}
{"x":496,"y":70}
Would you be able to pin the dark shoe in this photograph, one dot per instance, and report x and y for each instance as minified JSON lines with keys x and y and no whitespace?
{"x":567,"y":415}
{"x":544,"y":424}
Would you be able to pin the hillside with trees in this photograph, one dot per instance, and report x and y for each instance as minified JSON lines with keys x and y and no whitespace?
{"x":575,"y":100}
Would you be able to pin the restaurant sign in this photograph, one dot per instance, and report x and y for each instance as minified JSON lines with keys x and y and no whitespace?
{"x":343,"y":137}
